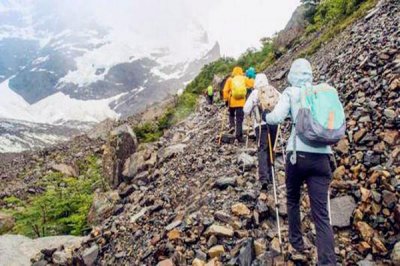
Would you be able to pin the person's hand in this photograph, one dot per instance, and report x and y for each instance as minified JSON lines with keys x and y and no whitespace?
{"x":263,"y":115}
{"x":226,"y":103}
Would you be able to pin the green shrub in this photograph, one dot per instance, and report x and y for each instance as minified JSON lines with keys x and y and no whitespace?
{"x":63,"y":207}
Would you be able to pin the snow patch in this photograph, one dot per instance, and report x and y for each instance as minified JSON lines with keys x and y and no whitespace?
{"x":55,"y":109}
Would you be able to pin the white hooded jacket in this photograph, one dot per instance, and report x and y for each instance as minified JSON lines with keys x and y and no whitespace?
{"x":250,"y":108}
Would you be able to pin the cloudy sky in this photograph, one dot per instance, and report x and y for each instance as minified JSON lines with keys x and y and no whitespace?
{"x":235,"y":24}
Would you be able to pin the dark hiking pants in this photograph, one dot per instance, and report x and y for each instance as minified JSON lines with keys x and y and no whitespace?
{"x":236,"y":116}
{"x":210,"y":99}
{"x":264,"y":161}
{"x":314,"y":170}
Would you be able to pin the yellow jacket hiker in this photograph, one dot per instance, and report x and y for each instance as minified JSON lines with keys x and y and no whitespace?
{"x":232,"y":101}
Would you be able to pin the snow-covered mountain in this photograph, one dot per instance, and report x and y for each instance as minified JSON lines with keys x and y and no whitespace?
{"x":58,"y":66}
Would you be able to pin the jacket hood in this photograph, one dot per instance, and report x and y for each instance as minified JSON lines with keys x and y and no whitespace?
{"x":237,"y":71}
{"x":251,"y":72}
{"x":261,"y":81}
{"x":300,"y":73}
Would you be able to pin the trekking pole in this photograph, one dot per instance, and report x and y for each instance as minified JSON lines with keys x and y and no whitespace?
{"x":222,"y":127}
{"x":275,"y":194}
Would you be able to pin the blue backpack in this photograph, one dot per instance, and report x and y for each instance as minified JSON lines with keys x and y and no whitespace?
{"x":321,"y":120}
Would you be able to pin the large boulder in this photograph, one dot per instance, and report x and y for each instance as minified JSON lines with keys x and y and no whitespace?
{"x":122,"y":143}
{"x":102,"y":206}
{"x":19,"y":250}
{"x":139,"y":162}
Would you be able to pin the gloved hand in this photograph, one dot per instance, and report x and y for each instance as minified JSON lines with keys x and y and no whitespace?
{"x":263,"y":115}
{"x":226,"y":104}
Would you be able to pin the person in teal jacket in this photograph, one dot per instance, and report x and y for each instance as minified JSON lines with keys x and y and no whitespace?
{"x":312,"y":166}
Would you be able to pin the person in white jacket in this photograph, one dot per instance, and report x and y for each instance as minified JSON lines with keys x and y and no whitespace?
{"x":252,"y":108}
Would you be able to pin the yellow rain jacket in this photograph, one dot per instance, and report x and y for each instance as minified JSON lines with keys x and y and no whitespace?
{"x":227,"y":92}
{"x":250,"y":83}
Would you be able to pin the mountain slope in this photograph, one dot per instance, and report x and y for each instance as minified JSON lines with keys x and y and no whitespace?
{"x":190,"y":198}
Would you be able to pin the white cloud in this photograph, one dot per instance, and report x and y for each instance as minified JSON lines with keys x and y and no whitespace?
{"x":235,"y":24}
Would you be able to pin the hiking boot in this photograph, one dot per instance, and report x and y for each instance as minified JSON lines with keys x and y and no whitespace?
{"x":265,"y":185}
{"x":299,"y":255}
{"x":231,"y":130}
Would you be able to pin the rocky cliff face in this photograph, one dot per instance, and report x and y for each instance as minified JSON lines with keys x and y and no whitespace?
{"x":190,"y":201}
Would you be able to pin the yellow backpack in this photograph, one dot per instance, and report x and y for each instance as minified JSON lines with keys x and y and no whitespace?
{"x":239,"y":89}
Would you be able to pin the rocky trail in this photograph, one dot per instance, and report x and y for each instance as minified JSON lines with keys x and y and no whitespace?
{"x":186,"y":200}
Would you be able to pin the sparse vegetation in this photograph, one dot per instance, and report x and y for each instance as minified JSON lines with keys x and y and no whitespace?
{"x":332,"y":17}
{"x":62,"y":208}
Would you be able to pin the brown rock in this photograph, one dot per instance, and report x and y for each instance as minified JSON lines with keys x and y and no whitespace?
{"x":216,"y":251}
{"x":339,"y":172}
{"x":391,"y":137}
{"x":343,"y":146}
{"x":219,"y":230}
{"x":365,"y":194}
{"x":359,"y":134}
{"x":167,"y":262}
{"x":65,"y":169}
{"x":395,"y":85}
{"x":239,"y":209}
{"x":366,"y":231}
{"x":275,"y":246}
{"x":198,"y":262}
{"x":379,"y":246}
{"x":259,"y":247}
{"x":174,"y":234}
{"x":214,"y":262}
{"x":363,"y":247}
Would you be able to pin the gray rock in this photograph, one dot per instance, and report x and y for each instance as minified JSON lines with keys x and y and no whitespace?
{"x":389,"y":113}
{"x":89,"y":256}
{"x":368,"y":261}
{"x":60,"y":257}
{"x":342,"y":209}
{"x":224,"y":182}
{"x":102,"y":206}
{"x":18,"y":250}
{"x":173,"y":225}
{"x":171,"y":151}
{"x":121,"y":145}
{"x":247,"y":254}
{"x":246,"y":160}
{"x":395,"y":256}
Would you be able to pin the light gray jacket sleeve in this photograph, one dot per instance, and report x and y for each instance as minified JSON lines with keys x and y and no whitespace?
{"x":250,"y":103}
{"x":281,"y":109}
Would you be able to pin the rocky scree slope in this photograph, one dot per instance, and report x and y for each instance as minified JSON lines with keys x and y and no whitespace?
{"x":188,"y":201}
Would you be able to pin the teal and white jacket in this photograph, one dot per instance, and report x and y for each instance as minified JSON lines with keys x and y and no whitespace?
{"x":289,"y":104}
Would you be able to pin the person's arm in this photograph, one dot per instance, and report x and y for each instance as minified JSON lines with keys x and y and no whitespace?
{"x":250,"y":102}
{"x":280,"y":111}
{"x":227,"y":89}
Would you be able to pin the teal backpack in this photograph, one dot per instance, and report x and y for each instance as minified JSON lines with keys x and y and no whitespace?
{"x":321,"y":120}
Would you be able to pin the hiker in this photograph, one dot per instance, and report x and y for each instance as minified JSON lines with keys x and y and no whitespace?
{"x":251,"y":75}
{"x":308,"y":162}
{"x":262,"y":97}
{"x":235,"y":95}
{"x":210,"y":94}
